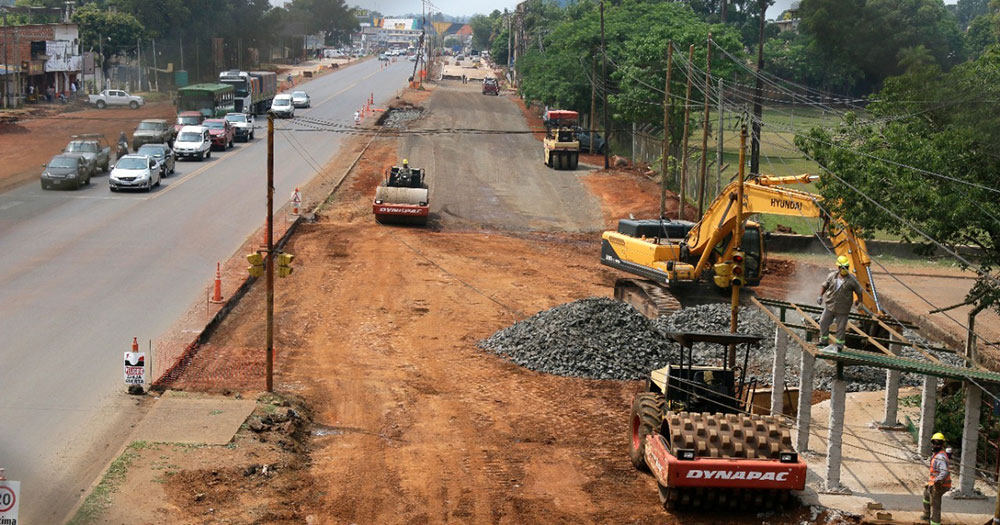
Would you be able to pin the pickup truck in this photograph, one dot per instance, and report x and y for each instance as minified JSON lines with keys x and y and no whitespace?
{"x":152,"y":131}
{"x":94,"y":147}
{"x":116,"y":97}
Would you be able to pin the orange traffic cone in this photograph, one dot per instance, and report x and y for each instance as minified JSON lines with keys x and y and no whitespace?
{"x":217,"y":295}
{"x":135,"y":344}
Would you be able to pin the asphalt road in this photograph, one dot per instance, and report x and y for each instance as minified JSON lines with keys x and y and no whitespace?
{"x":494,"y":180}
{"x":82,"y":272}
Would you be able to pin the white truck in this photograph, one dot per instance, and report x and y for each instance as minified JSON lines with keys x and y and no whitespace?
{"x":116,"y":97}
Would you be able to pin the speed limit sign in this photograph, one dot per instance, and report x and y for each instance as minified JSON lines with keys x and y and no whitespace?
{"x":10,"y":499}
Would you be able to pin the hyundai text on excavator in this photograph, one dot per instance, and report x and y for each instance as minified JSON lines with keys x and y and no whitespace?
{"x":561,"y":147}
{"x":674,"y":258}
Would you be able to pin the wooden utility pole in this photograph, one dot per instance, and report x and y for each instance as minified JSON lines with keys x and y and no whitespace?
{"x":269,"y":259}
{"x":138,"y":60}
{"x":758,"y":86}
{"x":666,"y":133}
{"x":156,"y":72}
{"x":604,"y":89}
{"x":704,"y":131}
{"x":687,"y":117}
{"x":593,"y":103}
{"x":719,"y":144}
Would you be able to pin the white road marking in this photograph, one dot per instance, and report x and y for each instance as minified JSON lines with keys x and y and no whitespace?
{"x":9,"y":205}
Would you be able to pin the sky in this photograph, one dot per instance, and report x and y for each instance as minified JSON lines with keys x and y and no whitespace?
{"x":471,"y":7}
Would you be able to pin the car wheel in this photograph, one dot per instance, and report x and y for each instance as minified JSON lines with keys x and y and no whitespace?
{"x":106,"y":167}
{"x":112,"y":188}
{"x":230,"y":144}
{"x":101,"y":104}
{"x":201,"y":156}
{"x":133,"y":105}
{"x":87,"y":182}
{"x":44,"y":186}
{"x":208,"y":154}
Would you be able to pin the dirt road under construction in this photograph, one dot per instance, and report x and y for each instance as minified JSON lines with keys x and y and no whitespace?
{"x":377,"y":333}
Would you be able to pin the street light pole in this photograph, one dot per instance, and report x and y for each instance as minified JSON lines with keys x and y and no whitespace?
{"x":269,"y":260}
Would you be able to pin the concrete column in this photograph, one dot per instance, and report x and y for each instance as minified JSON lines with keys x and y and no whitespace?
{"x":778,"y":372}
{"x":928,"y":405}
{"x":805,"y":402}
{"x":970,"y":440}
{"x":835,"y":434}
{"x":891,"y":398}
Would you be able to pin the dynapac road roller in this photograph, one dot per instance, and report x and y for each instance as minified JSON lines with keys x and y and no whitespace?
{"x":402,"y":198}
{"x":691,"y":427}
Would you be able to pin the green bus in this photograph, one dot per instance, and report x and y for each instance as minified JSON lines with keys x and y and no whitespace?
{"x":212,"y":100}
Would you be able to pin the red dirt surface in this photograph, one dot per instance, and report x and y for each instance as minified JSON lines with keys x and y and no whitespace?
{"x":33,"y":140}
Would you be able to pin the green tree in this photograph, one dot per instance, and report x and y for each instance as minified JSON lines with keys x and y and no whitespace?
{"x":953,"y":138}
{"x":968,"y":10}
{"x":792,"y":56}
{"x":482,"y":30}
{"x":871,"y":33}
{"x":330,"y":16}
{"x":108,"y":31}
{"x":980,"y":35}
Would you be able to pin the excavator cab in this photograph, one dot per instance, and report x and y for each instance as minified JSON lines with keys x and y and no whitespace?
{"x":753,"y":252}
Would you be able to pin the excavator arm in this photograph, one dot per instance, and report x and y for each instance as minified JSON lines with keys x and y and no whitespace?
{"x":764,"y":195}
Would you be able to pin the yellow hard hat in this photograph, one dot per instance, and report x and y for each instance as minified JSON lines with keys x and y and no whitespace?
{"x":843,"y":261}
{"x":937,"y":437}
{"x":405,"y":162}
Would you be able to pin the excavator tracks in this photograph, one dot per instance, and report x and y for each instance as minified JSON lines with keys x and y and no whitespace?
{"x":649,"y":298}
{"x":725,"y":436}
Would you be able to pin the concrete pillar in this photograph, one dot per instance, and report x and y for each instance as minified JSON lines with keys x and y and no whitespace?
{"x":928,"y":405}
{"x":835,"y":433}
{"x":805,"y":402}
{"x":891,"y":398}
{"x":778,"y":372}
{"x":970,"y":440}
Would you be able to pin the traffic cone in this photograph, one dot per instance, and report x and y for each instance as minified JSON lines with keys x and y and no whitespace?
{"x":217,"y":295}
{"x":135,"y":344}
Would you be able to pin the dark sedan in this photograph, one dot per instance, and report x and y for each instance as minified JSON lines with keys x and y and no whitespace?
{"x":65,"y":171}
{"x":162,"y":154}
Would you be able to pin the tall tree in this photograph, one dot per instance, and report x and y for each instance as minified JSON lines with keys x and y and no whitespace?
{"x":108,"y":31}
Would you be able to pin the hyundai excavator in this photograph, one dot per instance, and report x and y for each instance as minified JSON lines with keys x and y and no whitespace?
{"x":674,"y":258}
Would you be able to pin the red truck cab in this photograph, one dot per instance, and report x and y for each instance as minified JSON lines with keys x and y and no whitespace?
{"x":223,"y":133}
{"x":188,"y":118}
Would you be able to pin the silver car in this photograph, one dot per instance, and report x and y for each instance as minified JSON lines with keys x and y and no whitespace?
{"x":140,"y":172}
{"x":300,"y":99}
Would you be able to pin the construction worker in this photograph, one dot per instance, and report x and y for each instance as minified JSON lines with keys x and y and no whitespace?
{"x":939,"y":481}
{"x":836,"y":296}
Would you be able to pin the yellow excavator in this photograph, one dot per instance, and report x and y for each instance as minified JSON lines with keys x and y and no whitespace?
{"x":675,"y":258}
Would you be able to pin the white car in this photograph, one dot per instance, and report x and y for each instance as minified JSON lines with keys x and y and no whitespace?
{"x":282,"y":106}
{"x":243,"y":124}
{"x":193,"y":142}
{"x":135,"y":172}
{"x":300,"y":99}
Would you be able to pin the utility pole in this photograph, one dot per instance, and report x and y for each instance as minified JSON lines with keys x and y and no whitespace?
{"x":593,"y":102}
{"x":156,"y":73}
{"x":725,"y":7}
{"x":666,"y":133}
{"x":6,"y":63}
{"x":719,"y":144}
{"x":269,"y":260}
{"x":138,"y":60}
{"x":757,"y":109}
{"x":738,"y":238}
{"x":704,"y":131}
{"x":684,"y":148}
{"x":604,"y":97}
{"x":181,"y":42}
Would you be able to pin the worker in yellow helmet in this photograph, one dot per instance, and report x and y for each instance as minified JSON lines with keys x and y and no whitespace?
{"x":836,"y":295}
{"x":939,"y":481}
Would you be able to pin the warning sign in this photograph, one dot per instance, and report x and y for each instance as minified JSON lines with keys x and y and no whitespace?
{"x":135,"y":368}
{"x":10,"y":500}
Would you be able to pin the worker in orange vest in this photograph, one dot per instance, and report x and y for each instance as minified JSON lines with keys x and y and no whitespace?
{"x":939,"y":481}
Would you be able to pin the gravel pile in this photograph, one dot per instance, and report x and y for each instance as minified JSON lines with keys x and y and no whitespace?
{"x":597,"y":338}
{"x":602,"y":338}
{"x":399,"y":118}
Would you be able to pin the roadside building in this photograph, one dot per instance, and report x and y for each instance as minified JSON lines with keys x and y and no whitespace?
{"x":42,"y":56}
{"x":789,"y":20}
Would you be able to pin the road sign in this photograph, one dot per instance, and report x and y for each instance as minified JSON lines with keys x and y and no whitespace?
{"x":10,"y":500}
{"x":135,"y":368}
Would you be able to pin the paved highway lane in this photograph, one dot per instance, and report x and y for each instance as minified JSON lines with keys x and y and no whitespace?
{"x":82,"y":272}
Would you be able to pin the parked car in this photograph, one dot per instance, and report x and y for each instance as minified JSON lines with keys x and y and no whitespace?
{"x":383,"y":57}
{"x":243,"y":124}
{"x":222,"y":132}
{"x":193,"y":142}
{"x":412,"y":58}
{"x":152,"y":131}
{"x":94,"y":147}
{"x":491,"y":86}
{"x":116,"y":97}
{"x":134,"y":171}
{"x":188,"y":118}
{"x":583,"y":135}
{"x":65,"y":170}
{"x":300,"y":99}
{"x":163,"y":155}
{"x":282,"y":106}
